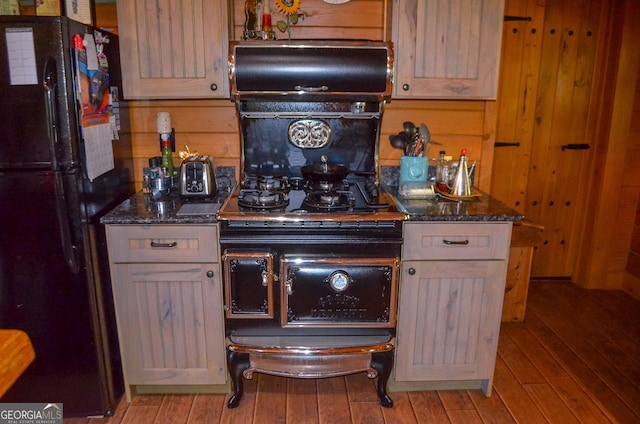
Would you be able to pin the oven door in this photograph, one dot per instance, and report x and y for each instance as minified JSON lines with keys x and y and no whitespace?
{"x":321,"y":291}
{"x":248,"y":283}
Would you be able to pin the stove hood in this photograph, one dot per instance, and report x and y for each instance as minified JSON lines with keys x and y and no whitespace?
{"x":311,"y":70}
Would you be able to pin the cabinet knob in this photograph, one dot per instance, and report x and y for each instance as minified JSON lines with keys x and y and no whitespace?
{"x":210,"y":274}
{"x":405,"y":87}
{"x":411,"y":271}
{"x":213,"y":87}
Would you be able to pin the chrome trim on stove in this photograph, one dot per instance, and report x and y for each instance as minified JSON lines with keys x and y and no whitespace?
{"x":336,"y":219}
{"x":300,"y":115}
{"x":311,"y":362}
{"x":302,"y":349}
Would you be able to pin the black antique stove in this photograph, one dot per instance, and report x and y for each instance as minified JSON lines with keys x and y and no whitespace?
{"x":310,"y":242}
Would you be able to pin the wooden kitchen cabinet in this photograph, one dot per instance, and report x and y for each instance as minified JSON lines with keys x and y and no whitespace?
{"x":447,"y":50}
{"x":174,"y":49}
{"x":168,"y":299}
{"x":450,"y":302}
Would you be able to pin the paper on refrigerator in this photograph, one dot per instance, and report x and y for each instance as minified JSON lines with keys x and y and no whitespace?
{"x":21,"y":55}
{"x":98,"y":150}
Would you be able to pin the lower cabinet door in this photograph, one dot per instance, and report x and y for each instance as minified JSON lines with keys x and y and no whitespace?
{"x":449,"y":320}
{"x":170,"y":323}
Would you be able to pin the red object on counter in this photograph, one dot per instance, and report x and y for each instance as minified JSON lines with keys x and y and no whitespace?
{"x":266,"y":21}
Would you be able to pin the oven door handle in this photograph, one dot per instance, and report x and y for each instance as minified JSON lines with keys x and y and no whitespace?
{"x":288,"y":285}
{"x":268,"y":276}
{"x":308,"y":89}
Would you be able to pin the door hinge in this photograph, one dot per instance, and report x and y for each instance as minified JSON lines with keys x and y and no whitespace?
{"x":508,"y":18}
{"x":574,"y":146}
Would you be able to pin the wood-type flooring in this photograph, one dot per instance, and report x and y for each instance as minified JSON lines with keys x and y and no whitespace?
{"x":575,"y":359}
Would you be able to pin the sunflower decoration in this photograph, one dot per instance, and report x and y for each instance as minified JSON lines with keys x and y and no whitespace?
{"x":288,"y":7}
{"x":291,"y":10}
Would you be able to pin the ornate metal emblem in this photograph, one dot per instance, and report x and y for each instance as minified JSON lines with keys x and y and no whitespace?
{"x":309,"y":133}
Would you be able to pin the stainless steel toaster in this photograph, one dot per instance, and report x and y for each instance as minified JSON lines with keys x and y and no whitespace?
{"x":197,"y":176}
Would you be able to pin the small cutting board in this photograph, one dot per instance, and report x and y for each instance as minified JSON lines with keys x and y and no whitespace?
{"x":198,"y":209}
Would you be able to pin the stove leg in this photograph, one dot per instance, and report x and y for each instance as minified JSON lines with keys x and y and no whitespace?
{"x":383,"y":363}
{"x":237,"y":363}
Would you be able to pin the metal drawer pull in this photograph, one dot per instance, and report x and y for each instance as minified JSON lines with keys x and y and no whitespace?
{"x":172,"y":244}
{"x":311,"y":89}
{"x":451,"y":242}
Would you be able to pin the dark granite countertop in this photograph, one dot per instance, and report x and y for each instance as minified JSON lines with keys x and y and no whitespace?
{"x":141,"y":209}
{"x":482,"y":208}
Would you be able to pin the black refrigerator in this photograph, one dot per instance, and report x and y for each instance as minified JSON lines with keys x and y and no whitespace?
{"x":54,"y":274}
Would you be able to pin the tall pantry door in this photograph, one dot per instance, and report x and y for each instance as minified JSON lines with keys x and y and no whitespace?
{"x":544,"y":143}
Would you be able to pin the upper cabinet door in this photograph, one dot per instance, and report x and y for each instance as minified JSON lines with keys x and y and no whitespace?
{"x":447,"y":49}
{"x":173,"y":48}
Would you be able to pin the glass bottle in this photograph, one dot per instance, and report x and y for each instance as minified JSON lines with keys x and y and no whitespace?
{"x":267,"y":29}
{"x":442,"y":173}
{"x":167,"y":159}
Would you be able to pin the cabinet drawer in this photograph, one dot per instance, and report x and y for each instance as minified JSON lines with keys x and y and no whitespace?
{"x":163,"y":243}
{"x":427,"y":241}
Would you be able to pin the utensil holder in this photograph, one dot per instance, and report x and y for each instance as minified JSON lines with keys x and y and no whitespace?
{"x":414,"y":169}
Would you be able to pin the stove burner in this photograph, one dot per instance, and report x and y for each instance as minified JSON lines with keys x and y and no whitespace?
{"x":296,"y":183}
{"x":262,"y":199}
{"x":328,"y":201}
{"x":261,"y":183}
{"x":325,"y":186}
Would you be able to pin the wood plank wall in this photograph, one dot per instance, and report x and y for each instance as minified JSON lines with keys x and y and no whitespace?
{"x":567,"y":76}
{"x":631,"y":185}
{"x":210,"y":126}
{"x":631,"y":283}
{"x":615,"y":178}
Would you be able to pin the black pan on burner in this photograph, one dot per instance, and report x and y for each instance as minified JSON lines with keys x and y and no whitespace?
{"x":319,"y":173}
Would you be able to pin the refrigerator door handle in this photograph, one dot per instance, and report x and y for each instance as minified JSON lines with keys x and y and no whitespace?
{"x":63,"y":223}
{"x":49,"y":82}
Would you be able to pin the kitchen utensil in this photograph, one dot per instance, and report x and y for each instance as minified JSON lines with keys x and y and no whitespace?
{"x":472,"y":169}
{"x":399,"y":141}
{"x":420,"y":145}
{"x":416,"y":147}
{"x":409,"y":127}
{"x":424,"y":130}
